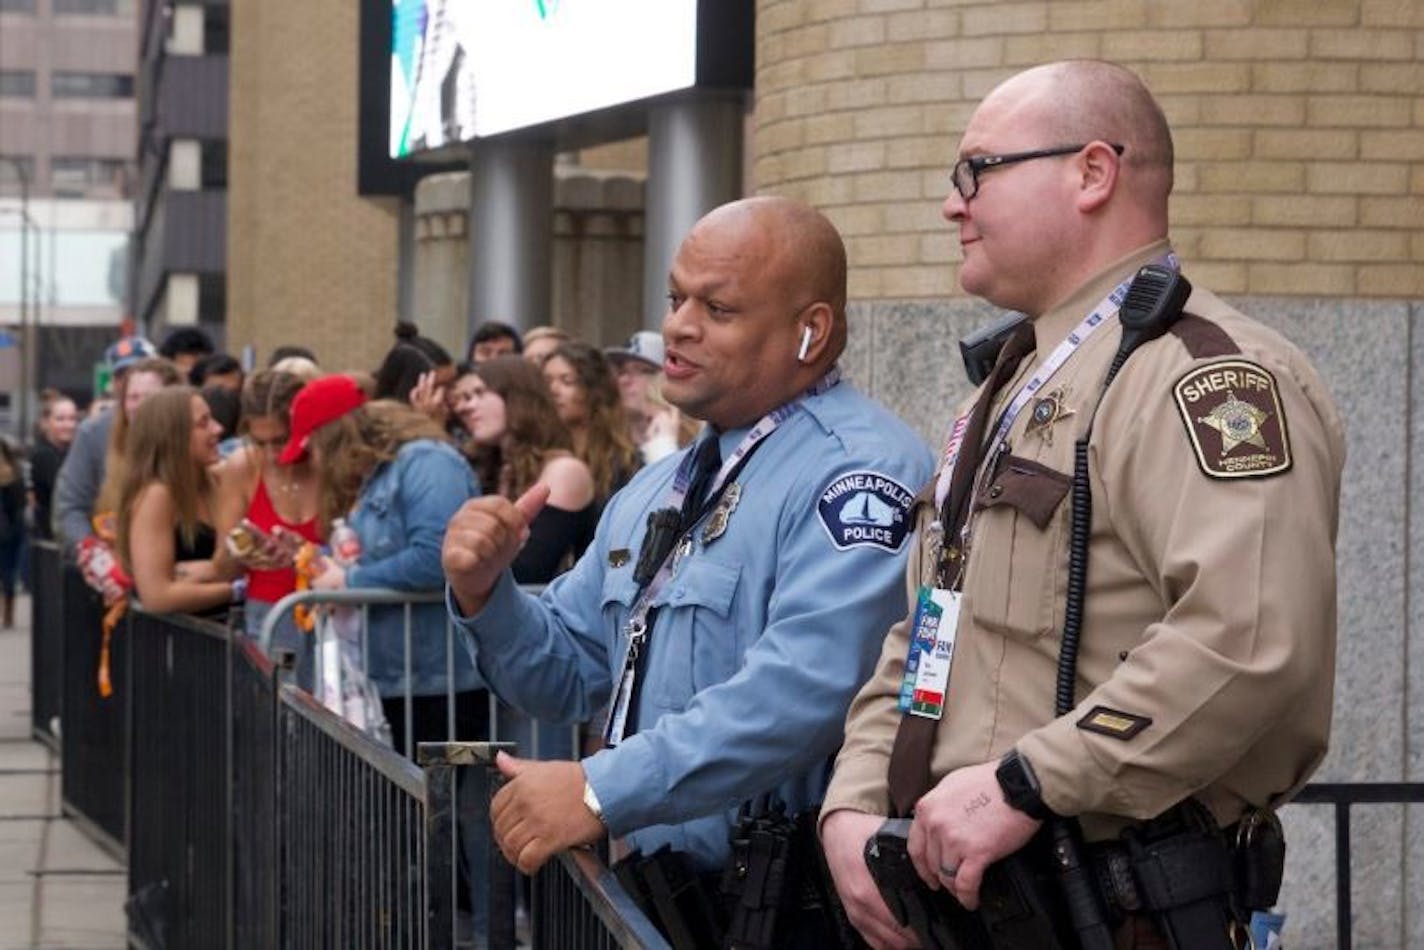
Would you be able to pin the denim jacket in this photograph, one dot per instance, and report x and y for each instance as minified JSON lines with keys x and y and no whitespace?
{"x":401,"y":517}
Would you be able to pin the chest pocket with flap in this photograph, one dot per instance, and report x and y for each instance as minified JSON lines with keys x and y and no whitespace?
{"x":1018,"y":548}
{"x":695,"y":641}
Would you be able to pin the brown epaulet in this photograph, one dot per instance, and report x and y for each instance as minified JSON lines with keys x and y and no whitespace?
{"x":1203,"y":338}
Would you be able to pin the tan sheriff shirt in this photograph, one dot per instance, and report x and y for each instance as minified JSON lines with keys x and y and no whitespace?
{"x":1207,"y":658}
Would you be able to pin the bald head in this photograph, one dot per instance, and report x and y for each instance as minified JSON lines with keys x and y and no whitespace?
{"x":805,"y":249}
{"x":756,"y":312}
{"x":1081,"y":100}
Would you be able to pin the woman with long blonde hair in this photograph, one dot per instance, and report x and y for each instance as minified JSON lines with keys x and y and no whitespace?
{"x":143,"y":379}
{"x":165,"y":504}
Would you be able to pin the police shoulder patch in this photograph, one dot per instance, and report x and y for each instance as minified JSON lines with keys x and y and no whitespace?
{"x":1232,"y":411}
{"x":865,"y":509}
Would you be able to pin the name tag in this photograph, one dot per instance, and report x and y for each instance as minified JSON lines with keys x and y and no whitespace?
{"x":926,"y":680}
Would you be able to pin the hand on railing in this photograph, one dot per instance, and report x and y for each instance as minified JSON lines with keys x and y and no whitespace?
{"x":540,"y":811}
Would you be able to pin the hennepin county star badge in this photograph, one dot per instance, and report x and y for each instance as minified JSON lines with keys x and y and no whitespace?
{"x":1047,"y":412}
{"x":1233,"y":415}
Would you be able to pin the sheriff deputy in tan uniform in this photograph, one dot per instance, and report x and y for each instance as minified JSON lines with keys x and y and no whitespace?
{"x":1207,"y":657}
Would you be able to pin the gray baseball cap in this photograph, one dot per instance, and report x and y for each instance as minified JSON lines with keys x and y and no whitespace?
{"x":645,"y":346}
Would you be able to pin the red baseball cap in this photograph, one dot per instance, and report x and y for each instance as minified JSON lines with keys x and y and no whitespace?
{"x":319,"y":402}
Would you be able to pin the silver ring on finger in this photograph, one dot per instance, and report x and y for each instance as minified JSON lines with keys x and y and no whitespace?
{"x":948,"y":871}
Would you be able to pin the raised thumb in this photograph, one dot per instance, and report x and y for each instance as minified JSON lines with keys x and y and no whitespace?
{"x":532,"y":501}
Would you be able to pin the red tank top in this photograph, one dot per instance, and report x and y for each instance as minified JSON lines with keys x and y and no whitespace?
{"x":272,"y":586}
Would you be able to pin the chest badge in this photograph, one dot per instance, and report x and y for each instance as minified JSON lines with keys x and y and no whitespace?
{"x":1047,"y":412}
{"x":619,"y":557}
{"x":716,"y":524}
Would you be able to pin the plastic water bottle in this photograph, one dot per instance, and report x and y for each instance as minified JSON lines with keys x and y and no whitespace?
{"x":345,"y":543}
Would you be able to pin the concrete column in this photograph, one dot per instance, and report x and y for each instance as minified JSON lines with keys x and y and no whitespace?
{"x":694,"y":165}
{"x":511,"y":232}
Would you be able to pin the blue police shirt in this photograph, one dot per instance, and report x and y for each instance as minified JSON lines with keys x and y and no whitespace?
{"x":760,"y":639}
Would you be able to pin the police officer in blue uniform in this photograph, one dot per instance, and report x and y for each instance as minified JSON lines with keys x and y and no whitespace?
{"x":726,"y":611}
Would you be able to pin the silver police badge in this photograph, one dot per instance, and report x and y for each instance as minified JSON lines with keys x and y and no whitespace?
{"x":717,"y":521}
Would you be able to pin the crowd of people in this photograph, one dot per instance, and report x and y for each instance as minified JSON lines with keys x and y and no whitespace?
{"x":726,"y":530}
{"x":197,"y":487}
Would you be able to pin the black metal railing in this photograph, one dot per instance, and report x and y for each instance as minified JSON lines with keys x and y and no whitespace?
{"x":1343,"y":796}
{"x":576,"y":902}
{"x":354,"y":867}
{"x":252,"y":816}
{"x":93,"y":732}
{"x":178,"y":780}
{"x":46,"y":641}
{"x":259,"y":818}
{"x":255,"y":851}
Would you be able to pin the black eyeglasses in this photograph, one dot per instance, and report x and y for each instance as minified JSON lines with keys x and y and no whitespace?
{"x":967,"y":170}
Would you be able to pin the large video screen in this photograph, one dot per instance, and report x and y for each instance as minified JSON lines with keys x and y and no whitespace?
{"x":461,"y":69}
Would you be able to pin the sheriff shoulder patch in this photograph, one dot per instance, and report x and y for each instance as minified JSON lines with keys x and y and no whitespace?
{"x":1113,"y":723}
{"x":865,"y":509}
{"x":1232,"y":411}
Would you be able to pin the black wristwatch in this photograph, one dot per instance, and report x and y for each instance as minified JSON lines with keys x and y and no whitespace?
{"x":1020,"y":785}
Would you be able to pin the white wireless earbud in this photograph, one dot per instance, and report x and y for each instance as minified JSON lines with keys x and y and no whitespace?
{"x":805,"y":344}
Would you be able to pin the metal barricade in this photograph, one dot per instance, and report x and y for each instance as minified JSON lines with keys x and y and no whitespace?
{"x":364,"y":838}
{"x":1342,"y":796}
{"x":577,"y":902}
{"x":46,"y":641}
{"x":179,"y":789}
{"x":93,"y":734}
{"x":255,"y":851}
{"x":258,"y":818}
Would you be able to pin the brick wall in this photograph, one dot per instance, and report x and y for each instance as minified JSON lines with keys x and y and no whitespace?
{"x":1299,"y":128}
{"x":309,"y":261}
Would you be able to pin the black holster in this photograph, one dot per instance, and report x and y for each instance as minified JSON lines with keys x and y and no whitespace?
{"x":1199,"y":882}
{"x":1020,"y":905}
{"x":777,"y":889}
{"x":674,"y":896}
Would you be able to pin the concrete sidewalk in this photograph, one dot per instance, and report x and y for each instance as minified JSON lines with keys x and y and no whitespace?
{"x":57,"y":888}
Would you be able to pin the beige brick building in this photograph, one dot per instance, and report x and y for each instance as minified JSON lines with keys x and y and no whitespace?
{"x":309,"y":261}
{"x":1299,"y":128}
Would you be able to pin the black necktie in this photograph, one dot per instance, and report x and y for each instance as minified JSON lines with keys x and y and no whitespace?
{"x":706,"y":460}
{"x":909,"y":772}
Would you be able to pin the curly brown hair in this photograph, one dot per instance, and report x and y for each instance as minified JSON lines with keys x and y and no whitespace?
{"x":347,"y":450}
{"x":609,"y":452}
{"x":533,"y":432}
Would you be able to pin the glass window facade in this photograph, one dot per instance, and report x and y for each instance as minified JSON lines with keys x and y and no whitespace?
{"x":91,"y":86}
{"x":18,"y":83}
